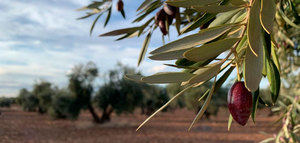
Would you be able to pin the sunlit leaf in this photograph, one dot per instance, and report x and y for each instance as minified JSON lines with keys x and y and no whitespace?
{"x":267,"y":14}
{"x":223,"y":18}
{"x":210,"y":50}
{"x":120,"y":31}
{"x":253,"y":66}
{"x":237,"y":2}
{"x":202,"y":37}
{"x":205,"y":73}
{"x":200,"y":21}
{"x":171,"y":55}
{"x":275,"y":58}
{"x":134,"y":77}
{"x":274,"y":79}
{"x":254,"y":29}
{"x":189,"y":3}
{"x":168,"y":77}
{"x":144,"y":48}
{"x":229,"y":122}
{"x":216,"y":8}
{"x":287,"y":20}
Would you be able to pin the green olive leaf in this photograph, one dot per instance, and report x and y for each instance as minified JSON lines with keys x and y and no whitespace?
{"x":144,"y":48}
{"x":254,"y":104}
{"x":190,"y":41}
{"x":189,"y":3}
{"x":215,"y":8}
{"x":167,"y":77}
{"x":267,"y":14}
{"x":205,"y":73}
{"x":253,"y":66}
{"x":224,"y":17}
{"x":210,"y":50}
{"x":254,"y":28}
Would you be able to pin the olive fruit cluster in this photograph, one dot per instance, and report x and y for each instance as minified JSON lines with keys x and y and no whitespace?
{"x":239,"y":102}
{"x":166,"y":14}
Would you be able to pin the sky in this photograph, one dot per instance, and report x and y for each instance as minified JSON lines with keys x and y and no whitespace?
{"x":42,"y":40}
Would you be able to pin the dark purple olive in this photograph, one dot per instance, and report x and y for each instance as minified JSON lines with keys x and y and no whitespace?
{"x":170,"y":10}
{"x":120,"y":5}
{"x":170,"y":19}
{"x":162,"y":26}
{"x":160,"y":16}
{"x":239,"y":102}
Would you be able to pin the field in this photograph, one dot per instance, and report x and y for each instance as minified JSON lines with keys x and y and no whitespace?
{"x":30,"y":127}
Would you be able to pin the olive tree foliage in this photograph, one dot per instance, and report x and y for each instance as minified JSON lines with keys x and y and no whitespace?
{"x":27,"y":100}
{"x":81,"y":81}
{"x":121,"y":95}
{"x":44,"y":92}
{"x":6,"y":102}
{"x":64,"y":105}
{"x":245,"y":31}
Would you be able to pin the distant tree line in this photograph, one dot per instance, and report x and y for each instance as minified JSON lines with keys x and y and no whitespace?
{"x":117,"y":95}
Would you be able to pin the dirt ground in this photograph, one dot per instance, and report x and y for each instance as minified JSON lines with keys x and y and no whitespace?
{"x":17,"y":126}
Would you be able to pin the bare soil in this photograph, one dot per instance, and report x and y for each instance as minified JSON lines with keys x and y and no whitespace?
{"x":17,"y":126}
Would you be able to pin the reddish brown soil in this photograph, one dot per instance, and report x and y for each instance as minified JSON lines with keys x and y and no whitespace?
{"x":18,"y":126}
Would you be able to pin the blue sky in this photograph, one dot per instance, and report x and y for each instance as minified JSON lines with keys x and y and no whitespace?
{"x":42,"y":40}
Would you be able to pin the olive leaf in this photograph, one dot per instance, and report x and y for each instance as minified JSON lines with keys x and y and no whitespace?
{"x":237,"y":2}
{"x":164,"y":106}
{"x":144,"y":4}
{"x":134,"y":77}
{"x":267,"y":14}
{"x":94,"y":23}
{"x":205,"y":105}
{"x":190,"y":3}
{"x":254,"y":104}
{"x":216,"y":8}
{"x":108,"y":16}
{"x":144,"y":48}
{"x":210,"y":50}
{"x":274,"y":79}
{"x":253,"y":66}
{"x":168,"y":77}
{"x":200,"y":21}
{"x":222,"y":18}
{"x":121,"y":31}
{"x":229,"y":122}
{"x":254,"y":28}
{"x":205,"y":73}
{"x":187,"y":42}
{"x":178,"y":21}
{"x":172,"y":55}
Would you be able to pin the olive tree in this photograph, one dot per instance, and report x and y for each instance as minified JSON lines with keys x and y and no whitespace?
{"x":224,"y":35}
{"x":43,"y":91}
{"x":27,"y":100}
{"x":81,"y":81}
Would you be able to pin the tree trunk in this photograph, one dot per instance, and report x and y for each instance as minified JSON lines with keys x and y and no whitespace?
{"x":106,"y":114}
{"x":92,"y":111}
